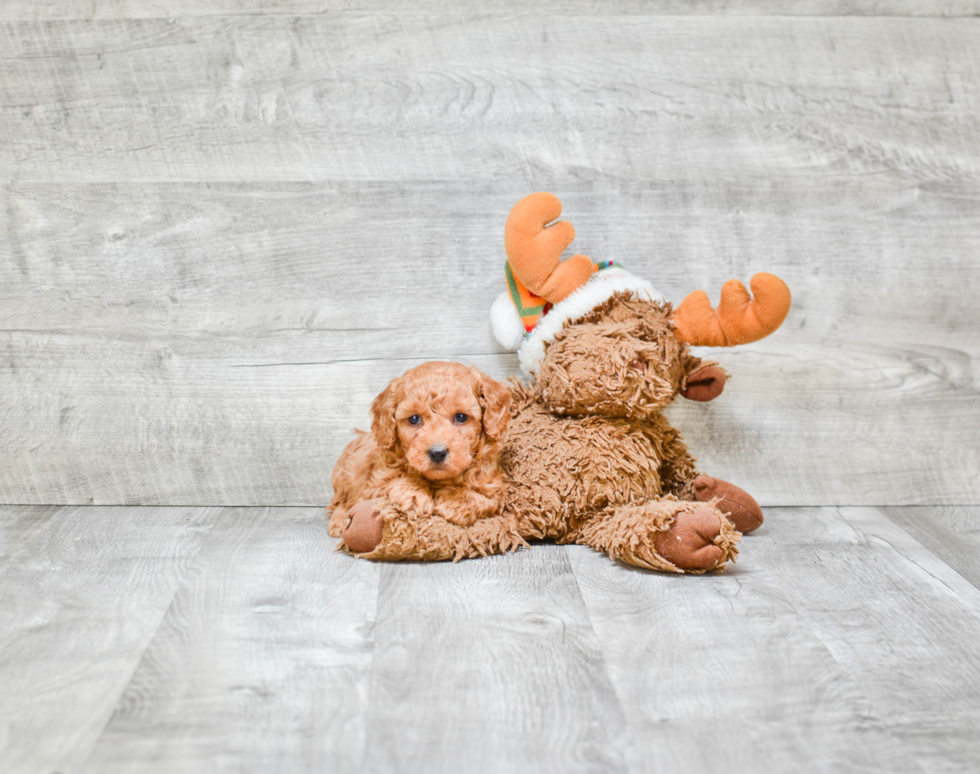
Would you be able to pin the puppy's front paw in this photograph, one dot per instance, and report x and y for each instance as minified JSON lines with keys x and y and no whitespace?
{"x":464,"y":507}
{"x":362,"y":532}
{"x":406,"y":496}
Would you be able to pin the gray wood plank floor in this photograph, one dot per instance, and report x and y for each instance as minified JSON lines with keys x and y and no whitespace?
{"x":167,"y":639}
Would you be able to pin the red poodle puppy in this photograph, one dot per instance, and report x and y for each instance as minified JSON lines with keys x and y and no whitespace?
{"x":433,"y":450}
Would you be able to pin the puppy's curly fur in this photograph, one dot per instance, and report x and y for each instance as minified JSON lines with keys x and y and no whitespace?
{"x":434,"y":447}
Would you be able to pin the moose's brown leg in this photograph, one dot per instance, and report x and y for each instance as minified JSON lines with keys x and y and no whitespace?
{"x":377,"y":530}
{"x":738,"y":504}
{"x":680,"y":479}
{"x":677,"y":465}
{"x":670,"y":535}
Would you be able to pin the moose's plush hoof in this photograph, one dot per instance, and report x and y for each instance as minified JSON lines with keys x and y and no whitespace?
{"x":689,"y":543}
{"x":736,"y":503}
{"x":363,"y":530}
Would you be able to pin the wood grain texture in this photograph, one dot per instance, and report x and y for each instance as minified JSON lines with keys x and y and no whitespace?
{"x":384,"y":267}
{"x":19,"y":526}
{"x":175,"y":421}
{"x":205,"y":432}
{"x":540,"y":99}
{"x":952,"y":534}
{"x":262,"y":661}
{"x":162,"y":639}
{"x":837,"y":639}
{"x":222,"y":236}
{"x":40,"y":10}
{"x":721,"y":673}
{"x":187,"y":343}
{"x":897,"y":620}
{"x":81,"y":594}
{"x":491,"y":666}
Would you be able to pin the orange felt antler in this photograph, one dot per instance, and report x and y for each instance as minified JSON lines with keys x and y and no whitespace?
{"x":739,"y":319}
{"x":534,"y":249}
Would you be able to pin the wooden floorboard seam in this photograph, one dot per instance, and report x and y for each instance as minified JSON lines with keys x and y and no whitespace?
{"x":191,"y":564}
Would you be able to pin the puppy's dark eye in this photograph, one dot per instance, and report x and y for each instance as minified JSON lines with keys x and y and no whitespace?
{"x":415,"y":419}
{"x":460,"y":418}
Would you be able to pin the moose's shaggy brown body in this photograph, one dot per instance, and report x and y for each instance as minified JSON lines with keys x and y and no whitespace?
{"x":611,"y":483}
{"x":591,"y":459}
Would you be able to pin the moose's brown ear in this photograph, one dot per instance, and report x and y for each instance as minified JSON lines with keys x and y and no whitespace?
{"x":706,"y":382}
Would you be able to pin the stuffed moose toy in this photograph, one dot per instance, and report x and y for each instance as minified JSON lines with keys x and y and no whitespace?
{"x":588,"y":456}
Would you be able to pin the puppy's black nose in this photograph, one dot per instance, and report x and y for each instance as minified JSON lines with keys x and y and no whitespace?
{"x":438,"y":453}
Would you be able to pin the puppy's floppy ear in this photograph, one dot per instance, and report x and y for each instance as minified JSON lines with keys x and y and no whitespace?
{"x":494,"y":400}
{"x":383,"y":424}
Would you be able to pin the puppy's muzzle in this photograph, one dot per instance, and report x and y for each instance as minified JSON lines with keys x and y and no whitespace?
{"x":438,"y":454}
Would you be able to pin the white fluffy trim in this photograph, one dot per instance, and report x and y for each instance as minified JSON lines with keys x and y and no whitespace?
{"x":598,"y":289}
{"x":506,"y":323}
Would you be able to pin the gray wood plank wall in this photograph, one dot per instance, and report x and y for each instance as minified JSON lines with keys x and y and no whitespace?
{"x":33,"y":10}
{"x":223,"y":232}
